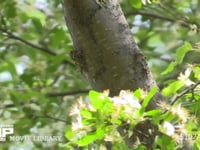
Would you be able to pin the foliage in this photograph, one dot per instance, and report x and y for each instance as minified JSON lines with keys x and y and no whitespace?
{"x":97,"y":121}
{"x":39,"y":81}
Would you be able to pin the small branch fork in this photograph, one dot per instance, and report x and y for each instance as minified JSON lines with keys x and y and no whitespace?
{"x":13,"y":36}
{"x":176,"y":97}
{"x":184,"y":23}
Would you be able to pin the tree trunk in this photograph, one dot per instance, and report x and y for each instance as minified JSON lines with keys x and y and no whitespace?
{"x":104,"y":47}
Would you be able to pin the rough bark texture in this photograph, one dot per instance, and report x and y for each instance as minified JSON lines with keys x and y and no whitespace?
{"x":104,"y":47}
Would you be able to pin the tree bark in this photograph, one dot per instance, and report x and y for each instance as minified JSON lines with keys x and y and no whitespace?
{"x":104,"y":47}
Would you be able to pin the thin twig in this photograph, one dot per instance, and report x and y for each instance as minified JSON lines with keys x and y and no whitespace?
{"x":155,"y":16}
{"x":11,"y":35}
{"x":176,"y":97}
{"x":46,"y":50}
{"x":149,"y":15}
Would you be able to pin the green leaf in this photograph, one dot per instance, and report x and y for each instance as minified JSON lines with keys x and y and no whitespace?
{"x":108,"y":107}
{"x":95,"y":99}
{"x":87,"y":139}
{"x":137,"y":93}
{"x":141,"y":147}
{"x":55,"y":62}
{"x":172,"y":88}
{"x":58,"y":35}
{"x":24,"y":123}
{"x":149,"y":96}
{"x":58,"y":59}
{"x":136,"y":3}
{"x":181,"y":51}
{"x":10,"y":67}
{"x":10,"y":9}
{"x":180,"y":54}
{"x":195,"y":147}
{"x":140,"y":111}
{"x":36,"y":22}
{"x":69,"y":133}
{"x":154,"y":112}
{"x":26,"y":96}
{"x":170,"y":68}
{"x":166,"y":142}
{"x":197,"y":72}
{"x":120,"y":145}
{"x":86,"y":114}
{"x":197,"y":142}
{"x":28,"y":78}
{"x":37,"y":14}
{"x":100,"y":133}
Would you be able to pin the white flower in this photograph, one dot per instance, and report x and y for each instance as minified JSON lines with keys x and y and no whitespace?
{"x":77,"y":125}
{"x":146,"y":1}
{"x":185,"y":77}
{"x":168,"y":128}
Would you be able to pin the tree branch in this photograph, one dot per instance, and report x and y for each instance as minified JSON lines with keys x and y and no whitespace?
{"x":13,"y":36}
{"x":176,"y":97}
{"x":155,"y":16}
{"x":46,"y":50}
{"x":149,"y":15}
